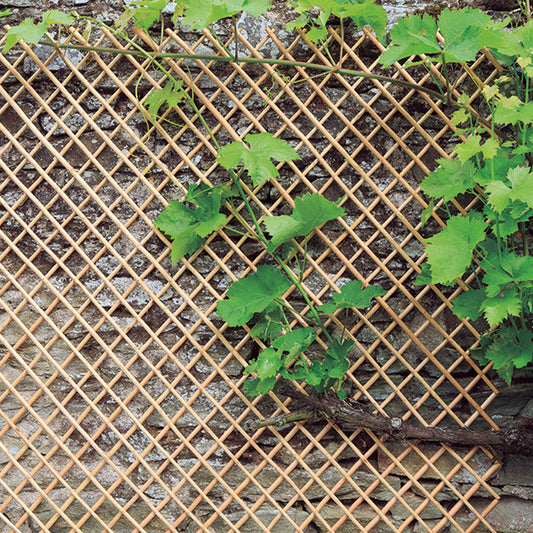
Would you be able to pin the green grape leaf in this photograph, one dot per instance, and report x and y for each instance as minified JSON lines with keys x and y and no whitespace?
{"x":459,"y":117}
{"x":424,"y":277}
{"x":257,"y":158}
{"x":336,"y":362}
{"x":171,"y":94}
{"x":32,"y":33}
{"x":188,"y":227}
{"x":511,"y":110}
{"x":209,"y":199}
{"x":409,"y":36}
{"x":257,"y":387}
{"x":490,"y":148}
{"x":352,"y":295}
{"x":176,"y":221}
{"x":148,"y":12}
{"x":273,"y":360}
{"x":521,"y":180}
{"x":300,"y":370}
{"x":468,"y":304}
{"x":519,"y":267}
{"x":267,"y":364}
{"x":497,"y":308}
{"x":26,"y":31}
{"x":496,"y":278}
{"x":508,"y":349}
{"x":449,"y":252}
{"x":205,"y":228}
{"x":469,"y":148}
{"x":295,"y":342}
{"x":54,"y":16}
{"x":316,"y":377}
{"x":524,"y":342}
{"x":464,"y":31}
{"x":451,"y":178}
{"x":253,"y":7}
{"x":364,"y":13}
{"x":299,"y":22}
{"x":511,"y":269}
{"x":270,"y":323}
{"x":506,"y":46}
{"x":499,"y":166}
{"x":252,"y":294}
{"x":186,"y":243}
{"x":310,"y":211}
{"x":200,"y":13}
{"x":427,"y":212}
{"x":509,"y":218}
{"x":322,"y":375}
{"x":316,"y":34}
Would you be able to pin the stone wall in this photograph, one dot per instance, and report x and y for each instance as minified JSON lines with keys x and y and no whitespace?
{"x":513,"y":482}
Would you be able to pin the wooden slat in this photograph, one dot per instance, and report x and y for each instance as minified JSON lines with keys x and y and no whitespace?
{"x":121,"y":180}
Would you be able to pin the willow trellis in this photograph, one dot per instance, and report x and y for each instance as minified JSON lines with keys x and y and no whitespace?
{"x":121,"y":396}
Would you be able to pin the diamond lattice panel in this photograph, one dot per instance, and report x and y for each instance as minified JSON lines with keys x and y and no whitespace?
{"x":121,"y":399}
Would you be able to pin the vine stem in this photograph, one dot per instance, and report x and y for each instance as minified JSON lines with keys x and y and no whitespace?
{"x":303,"y":292}
{"x":290,"y":274}
{"x":326,"y":69}
{"x":155,"y":58}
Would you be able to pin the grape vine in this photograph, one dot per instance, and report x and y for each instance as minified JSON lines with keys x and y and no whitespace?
{"x":485,"y":251}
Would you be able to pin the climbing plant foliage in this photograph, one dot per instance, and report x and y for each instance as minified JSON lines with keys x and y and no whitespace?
{"x":485,"y":250}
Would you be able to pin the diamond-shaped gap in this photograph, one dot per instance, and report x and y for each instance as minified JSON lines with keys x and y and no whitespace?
{"x":126,"y":357}
{"x":325,"y":468}
{"x":123,"y":211}
{"x":121,"y":521}
{"x":105,"y":122}
{"x":396,"y":262}
{"x":373,"y":239}
{"x":280,"y":94}
{"x":14,"y":231}
{"x":251,"y":483}
{"x":11,"y":295}
{"x":457,"y":468}
{"x":122,"y":245}
{"x":143,"y":509}
{"x":470,"y":388}
{"x":12,"y":194}
{"x":11,"y":407}
{"x":137,"y":191}
{"x":366,"y":160}
{"x":102,"y":509}
{"x":277,"y":101}
{"x":169,"y":402}
{"x":439,"y":398}
{"x":384,"y":389}
{"x":98,"y":511}
{"x":203,"y":508}
{"x":223,"y":97}
{"x":203,"y":407}
{"x":92,"y":315}
{"x":425,"y":331}
{"x":218,"y":355}
{"x":10,"y":119}
{"x":79,"y":197}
